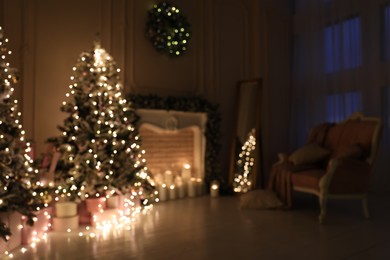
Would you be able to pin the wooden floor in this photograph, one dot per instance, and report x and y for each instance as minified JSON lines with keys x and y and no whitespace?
{"x":207,"y":228}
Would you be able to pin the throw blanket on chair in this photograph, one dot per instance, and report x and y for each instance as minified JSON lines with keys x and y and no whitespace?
{"x":280,"y":182}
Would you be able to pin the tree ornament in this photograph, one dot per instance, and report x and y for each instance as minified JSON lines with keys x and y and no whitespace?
{"x":168,"y":29}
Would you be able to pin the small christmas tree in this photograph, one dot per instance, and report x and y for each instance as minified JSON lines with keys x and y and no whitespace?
{"x":20,"y":189}
{"x":243,"y":173}
{"x":100,"y":146}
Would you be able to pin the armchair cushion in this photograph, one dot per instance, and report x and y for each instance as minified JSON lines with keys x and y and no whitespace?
{"x":309,"y":154}
{"x":308,"y":179}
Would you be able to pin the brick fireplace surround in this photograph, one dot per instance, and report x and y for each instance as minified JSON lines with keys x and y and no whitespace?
{"x":172,"y":139}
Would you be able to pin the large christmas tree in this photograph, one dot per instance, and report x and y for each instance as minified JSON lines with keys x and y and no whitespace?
{"x":100,"y":146}
{"x":20,"y":189}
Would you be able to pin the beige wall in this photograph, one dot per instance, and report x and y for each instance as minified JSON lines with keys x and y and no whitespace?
{"x":230,"y":42}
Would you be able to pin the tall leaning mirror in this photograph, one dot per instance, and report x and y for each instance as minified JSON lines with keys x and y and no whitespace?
{"x":246,"y":155}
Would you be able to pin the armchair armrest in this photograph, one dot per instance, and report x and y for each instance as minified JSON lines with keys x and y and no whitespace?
{"x":346,"y":176}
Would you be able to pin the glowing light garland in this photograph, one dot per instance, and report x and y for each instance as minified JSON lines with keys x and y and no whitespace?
{"x":243,"y":175}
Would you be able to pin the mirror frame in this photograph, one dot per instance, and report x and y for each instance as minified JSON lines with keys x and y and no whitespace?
{"x":257,"y":170}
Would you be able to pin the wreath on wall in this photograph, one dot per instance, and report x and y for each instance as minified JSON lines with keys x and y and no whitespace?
{"x":191,"y":104}
{"x":168,"y":29}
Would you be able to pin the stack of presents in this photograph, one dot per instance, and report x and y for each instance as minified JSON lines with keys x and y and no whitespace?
{"x":62,"y":216}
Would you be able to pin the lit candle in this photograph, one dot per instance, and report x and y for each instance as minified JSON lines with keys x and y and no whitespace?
{"x":163,"y":194}
{"x":159,"y":179}
{"x":214,"y":189}
{"x":172,"y":192}
{"x":168,"y":177}
{"x":199,"y":186}
{"x":186,"y":172}
{"x":192,"y":187}
{"x":181,"y":188}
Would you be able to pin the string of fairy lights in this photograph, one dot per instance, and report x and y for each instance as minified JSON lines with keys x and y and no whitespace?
{"x":243,"y":175}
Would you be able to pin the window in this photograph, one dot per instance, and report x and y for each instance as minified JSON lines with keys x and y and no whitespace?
{"x":332,"y":48}
{"x":340,"y":106}
{"x":352,"y":43}
{"x":342,"y":43}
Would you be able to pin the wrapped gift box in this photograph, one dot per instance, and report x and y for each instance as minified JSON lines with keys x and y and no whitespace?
{"x":14,"y":221}
{"x":65,"y":216}
{"x":65,"y":209}
{"x":84,"y":214}
{"x":112,"y":202}
{"x":95,"y":204}
{"x":42,"y":224}
{"x":65,"y":223}
{"x":47,"y":171}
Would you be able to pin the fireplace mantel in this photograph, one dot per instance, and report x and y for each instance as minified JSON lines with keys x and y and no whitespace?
{"x":165,"y":118}
{"x":190,"y":104}
{"x":169,"y":135}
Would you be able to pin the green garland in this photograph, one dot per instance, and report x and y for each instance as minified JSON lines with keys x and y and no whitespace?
{"x":191,"y":104}
{"x":168,"y":29}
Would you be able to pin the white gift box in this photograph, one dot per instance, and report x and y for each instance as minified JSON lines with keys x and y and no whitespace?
{"x":65,"y":209}
{"x":65,"y":224}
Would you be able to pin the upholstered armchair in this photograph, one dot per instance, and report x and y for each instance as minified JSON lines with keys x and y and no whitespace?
{"x":336,"y":163}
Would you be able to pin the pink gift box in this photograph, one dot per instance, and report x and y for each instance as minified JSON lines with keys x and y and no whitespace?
{"x":95,"y":204}
{"x":84,"y":214}
{"x":14,"y":221}
{"x":47,"y":156}
{"x":113,"y":202}
{"x":42,"y":224}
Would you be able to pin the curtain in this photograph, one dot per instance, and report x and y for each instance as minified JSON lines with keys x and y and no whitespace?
{"x":341,"y":64}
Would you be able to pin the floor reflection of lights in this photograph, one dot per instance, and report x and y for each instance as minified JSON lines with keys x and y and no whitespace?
{"x":87,"y":242}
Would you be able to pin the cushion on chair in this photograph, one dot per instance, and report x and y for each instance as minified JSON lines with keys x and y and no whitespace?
{"x":260,"y":199}
{"x":309,"y":154}
{"x":307,"y":179}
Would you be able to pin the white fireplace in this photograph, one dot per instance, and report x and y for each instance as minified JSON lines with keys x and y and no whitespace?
{"x":173,"y":139}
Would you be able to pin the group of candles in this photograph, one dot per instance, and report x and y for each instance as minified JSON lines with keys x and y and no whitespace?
{"x":171,"y":187}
